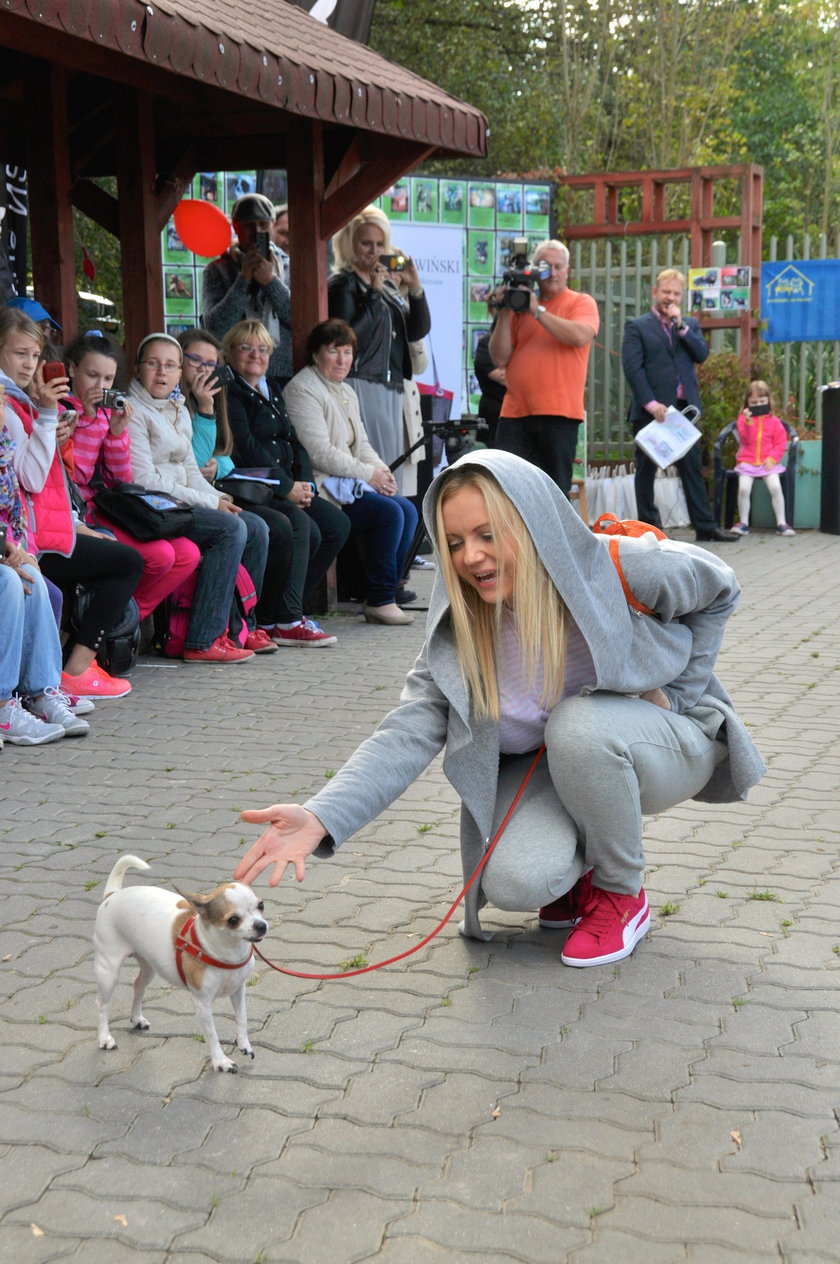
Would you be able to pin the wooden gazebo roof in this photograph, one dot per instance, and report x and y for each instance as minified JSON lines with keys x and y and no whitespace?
{"x":154,"y":92}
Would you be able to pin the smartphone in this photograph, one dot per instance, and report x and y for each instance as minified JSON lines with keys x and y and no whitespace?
{"x":261,"y":243}
{"x":3,"y":543}
{"x":394,"y":263}
{"x":53,"y":369}
{"x":222,"y":375}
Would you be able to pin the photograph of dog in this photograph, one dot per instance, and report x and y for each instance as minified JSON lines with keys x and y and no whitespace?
{"x":204,"y":943}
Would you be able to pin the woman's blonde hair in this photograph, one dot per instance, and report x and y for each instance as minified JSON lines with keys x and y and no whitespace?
{"x":14,"y":321}
{"x":247,"y":330}
{"x":537,"y":607}
{"x":344,"y":250}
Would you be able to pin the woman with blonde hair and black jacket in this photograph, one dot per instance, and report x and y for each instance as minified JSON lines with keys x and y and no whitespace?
{"x":361,"y":293}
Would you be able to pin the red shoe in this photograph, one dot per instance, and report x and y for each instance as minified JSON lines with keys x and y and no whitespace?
{"x":222,"y":650}
{"x":609,"y":929}
{"x":305,"y":635}
{"x":259,"y":642}
{"x":95,"y":683}
{"x":568,"y":909}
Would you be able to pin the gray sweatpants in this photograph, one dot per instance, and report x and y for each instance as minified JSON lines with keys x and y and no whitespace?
{"x":609,"y":760}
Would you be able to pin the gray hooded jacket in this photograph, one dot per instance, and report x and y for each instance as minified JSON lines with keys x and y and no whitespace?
{"x":692,"y":593}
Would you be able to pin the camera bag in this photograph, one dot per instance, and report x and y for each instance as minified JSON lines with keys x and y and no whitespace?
{"x":118,"y":652}
{"x":147,"y":515}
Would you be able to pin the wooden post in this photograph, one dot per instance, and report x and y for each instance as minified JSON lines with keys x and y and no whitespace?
{"x":307,"y":248}
{"x":142,"y":275}
{"x":50,"y":209}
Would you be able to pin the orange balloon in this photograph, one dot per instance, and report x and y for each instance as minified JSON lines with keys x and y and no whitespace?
{"x":202,"y":227}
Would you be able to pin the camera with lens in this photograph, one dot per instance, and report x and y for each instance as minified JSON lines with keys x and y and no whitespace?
{"x":518,"y":273}
{"x":113,"y":399}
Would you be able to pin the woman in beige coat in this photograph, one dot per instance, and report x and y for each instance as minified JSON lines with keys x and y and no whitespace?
{"x":325,"y":412}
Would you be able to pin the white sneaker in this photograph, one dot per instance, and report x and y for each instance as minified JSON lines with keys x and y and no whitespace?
{"x":422,"y":564}
{"x":52,"y":707}
{"x":21,"y":728}
{"x":79,"y":706}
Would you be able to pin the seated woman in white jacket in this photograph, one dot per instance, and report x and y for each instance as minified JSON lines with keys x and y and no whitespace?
{"x":162,"y":460}
{"x":324,"y":410}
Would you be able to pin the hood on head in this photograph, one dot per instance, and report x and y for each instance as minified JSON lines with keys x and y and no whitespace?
{"x":576,"y":560}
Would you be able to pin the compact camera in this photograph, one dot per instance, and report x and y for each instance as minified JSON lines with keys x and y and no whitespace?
{"x":113,"y":399}
{"x":394,"y":263}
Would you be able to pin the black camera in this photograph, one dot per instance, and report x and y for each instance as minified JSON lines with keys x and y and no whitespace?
{"x":113,"y":399}
{"x":394,"y":263}
{"x":518,"y":273}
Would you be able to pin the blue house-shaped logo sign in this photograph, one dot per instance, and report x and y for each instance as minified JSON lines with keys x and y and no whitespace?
{"x":790,"y":286}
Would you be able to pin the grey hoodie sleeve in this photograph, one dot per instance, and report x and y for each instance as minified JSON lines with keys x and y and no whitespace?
{"x":389,"y":761}
{"x":693,"y":586}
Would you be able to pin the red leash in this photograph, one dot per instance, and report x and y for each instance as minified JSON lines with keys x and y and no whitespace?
{"x":348,"y":974}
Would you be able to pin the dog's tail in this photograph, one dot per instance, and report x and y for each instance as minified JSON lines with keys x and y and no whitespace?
{"x":115,"y":878}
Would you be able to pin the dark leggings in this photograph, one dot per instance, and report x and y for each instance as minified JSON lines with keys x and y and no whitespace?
{"x":109,"y":570}
{"x":302,"y":543}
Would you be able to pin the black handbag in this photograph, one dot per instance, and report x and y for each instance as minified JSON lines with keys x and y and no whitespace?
{"x":248,"y":489}
{"x":147,"y":515}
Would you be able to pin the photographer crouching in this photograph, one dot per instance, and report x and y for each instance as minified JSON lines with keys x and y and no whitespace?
{"x":542,"y":339}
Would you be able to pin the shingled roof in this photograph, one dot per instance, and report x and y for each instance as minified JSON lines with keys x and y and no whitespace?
{"x":271,"y":53}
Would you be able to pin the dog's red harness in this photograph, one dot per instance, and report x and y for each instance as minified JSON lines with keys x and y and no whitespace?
{"x":187,"y":942}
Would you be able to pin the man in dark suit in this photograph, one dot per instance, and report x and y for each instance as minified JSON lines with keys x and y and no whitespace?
{"x":659,"y":352}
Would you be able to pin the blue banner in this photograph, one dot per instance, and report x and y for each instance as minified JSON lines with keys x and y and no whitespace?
{"x":800,"y":300}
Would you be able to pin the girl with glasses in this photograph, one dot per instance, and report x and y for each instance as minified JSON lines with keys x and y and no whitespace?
{"x":160,"y":431}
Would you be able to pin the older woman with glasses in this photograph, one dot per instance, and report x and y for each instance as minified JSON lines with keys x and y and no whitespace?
{"x":264,"y":438}
{"x":162,"y":459}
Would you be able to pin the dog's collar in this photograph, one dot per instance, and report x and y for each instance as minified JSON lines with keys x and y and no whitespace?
{"x":188,"y":942}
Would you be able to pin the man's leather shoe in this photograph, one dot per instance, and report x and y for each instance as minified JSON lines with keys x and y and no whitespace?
{"x":722,"y":537}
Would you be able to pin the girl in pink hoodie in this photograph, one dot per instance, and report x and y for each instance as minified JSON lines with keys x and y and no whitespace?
{"x":763,"y":442}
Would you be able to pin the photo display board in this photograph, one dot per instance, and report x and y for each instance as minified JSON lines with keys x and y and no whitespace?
{"x":490,"y":214}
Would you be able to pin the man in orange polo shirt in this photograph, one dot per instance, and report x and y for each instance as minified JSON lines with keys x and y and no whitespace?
{"x":545,"y":352}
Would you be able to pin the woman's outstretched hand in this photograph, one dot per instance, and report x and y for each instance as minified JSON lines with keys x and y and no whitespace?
{"x":292,"y":836}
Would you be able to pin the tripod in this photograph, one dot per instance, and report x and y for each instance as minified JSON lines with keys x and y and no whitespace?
{"x":455,"y":436}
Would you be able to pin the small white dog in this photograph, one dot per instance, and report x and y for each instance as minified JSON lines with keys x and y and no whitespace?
{"x":198,"y":941}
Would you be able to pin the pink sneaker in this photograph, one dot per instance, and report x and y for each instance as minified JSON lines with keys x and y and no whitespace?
{"x":259,"y":642}
{"x":304,"y":635}
{"x":222,"y":650}
{"x":95,"y":683}
{"x":567,"y":910}
{"x":609,"y":929}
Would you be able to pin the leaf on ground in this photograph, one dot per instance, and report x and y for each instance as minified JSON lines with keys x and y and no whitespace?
{"x":736,"y":1137}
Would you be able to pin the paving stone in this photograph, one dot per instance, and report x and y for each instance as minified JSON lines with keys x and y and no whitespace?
{"x":519,"y":1237}
{"x":628,"y":1248}
{"x":477,"y":1102}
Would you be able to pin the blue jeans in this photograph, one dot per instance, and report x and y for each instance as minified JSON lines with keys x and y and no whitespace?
{"x":30,"y":653}
{"x":255,"y":556}
{"x":222,"y":538}
{"x":386,"y":526}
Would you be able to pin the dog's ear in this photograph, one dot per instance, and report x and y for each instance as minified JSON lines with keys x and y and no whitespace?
{"x":209,"y":907}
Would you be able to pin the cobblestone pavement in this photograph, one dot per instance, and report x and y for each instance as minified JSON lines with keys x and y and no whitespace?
{"x":478,"y":1102}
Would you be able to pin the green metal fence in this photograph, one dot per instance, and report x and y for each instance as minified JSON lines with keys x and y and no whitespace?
{"x":620,"y":275}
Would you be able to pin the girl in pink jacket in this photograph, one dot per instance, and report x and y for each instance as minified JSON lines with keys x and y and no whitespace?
{"x":763,"y":442}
